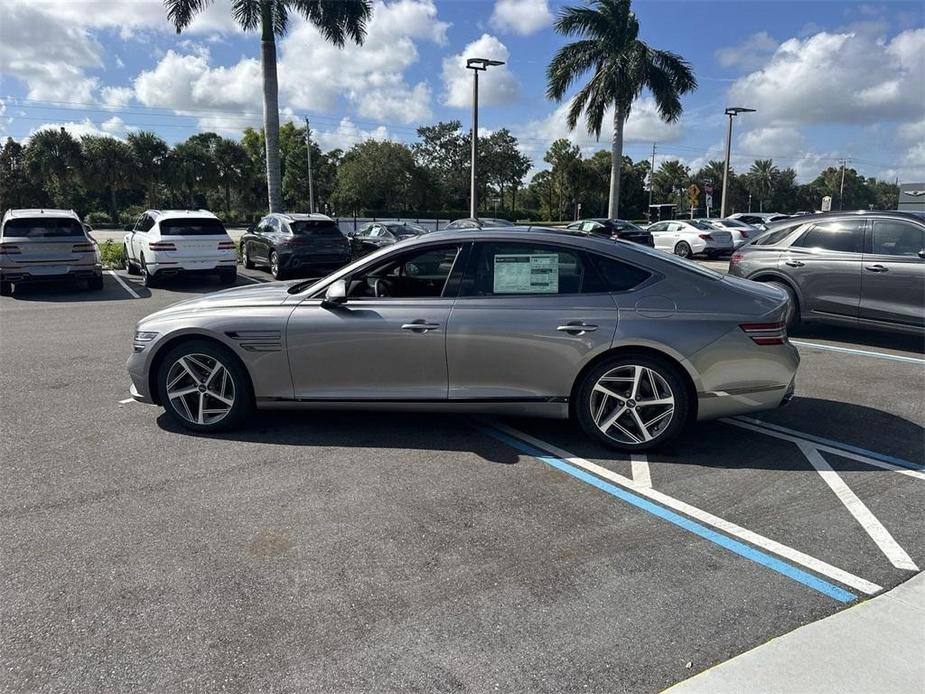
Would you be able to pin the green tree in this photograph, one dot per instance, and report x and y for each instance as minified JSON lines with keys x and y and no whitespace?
{"x":443,"y":151}
{"x":622,"y":66}
{"x":149,"y":153}
{"x":336,"y":20}
{"x":52,"y":161}
{"x":761,"y":180}
{"x":191,"y":166}
{"x":670,"y":182}
{"x":16,"y":187}
{"x":107,"y":164}
{"x":232,"y":167}
{"x":377,"y":175}
{"x":505,"y":165}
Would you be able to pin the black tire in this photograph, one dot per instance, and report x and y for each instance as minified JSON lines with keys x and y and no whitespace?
{"x":6,"y":288}
{"x":683,"y":250}
{"x":246,"y":259}
{"x":148,"y":279}
{"x":793,"y":313}
{"x":228,"y":276}
{"x":130,"y":267}
{"x":275,"y":269}
{"x":95,"y":283}
{"x":668,"y":383}
{"x":241,"y":383}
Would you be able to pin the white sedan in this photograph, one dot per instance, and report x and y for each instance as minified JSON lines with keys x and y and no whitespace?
{"x":687,"y":238}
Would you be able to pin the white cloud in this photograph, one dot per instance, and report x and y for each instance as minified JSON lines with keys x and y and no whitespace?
{"x":77,"y":129}
{"x":116,"y":97}
{"x":752,"y":53}
{"x":521,"y":16}
{"x":497,"y":85}
{"x":116,"y":127}
{"x":128,"y":17}
{"x":347,"y":134}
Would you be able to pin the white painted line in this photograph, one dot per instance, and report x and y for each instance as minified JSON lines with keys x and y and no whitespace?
{"x":861,"y":352}
{"x":767,"y":544}
{"x":126,"y":401}
{"x":843,"y":452}
{"x":251,"y":279}
{"x":873,"y":527}
{"x":640,"y":467}
{"x":124,"y":285}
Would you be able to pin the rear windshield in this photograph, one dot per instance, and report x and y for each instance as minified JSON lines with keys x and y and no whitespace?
{"x":700,"y":224}
{"x":406,"y":229}
{"x":192,"y":227}
{"x":315,"y":227}
{"x":42,"y":228}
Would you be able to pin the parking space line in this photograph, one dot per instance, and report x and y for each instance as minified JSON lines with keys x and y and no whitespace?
{"x":640,"y":468}
{"x":126,"y":401}
{"x":125,"y":286}
{"x":251,"y":279}
{"x":862,"y":352}
{"x":567,"y":462}
{"x":835,"y":447}
{"x":872,"y":526}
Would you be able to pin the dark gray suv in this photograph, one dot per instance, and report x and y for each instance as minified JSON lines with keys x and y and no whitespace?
{"x":855,"y":268}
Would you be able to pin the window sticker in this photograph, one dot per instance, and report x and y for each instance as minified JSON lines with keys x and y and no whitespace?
{"x":517,"y":273}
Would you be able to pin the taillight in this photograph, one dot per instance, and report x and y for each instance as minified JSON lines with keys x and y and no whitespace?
{"x":9,"y":249}
{"x":736,"y":258}
{"x":226,"y":245}
{"x":706,"y":237}
{"x":766,"y":333}
{"x":161,"y":246}
{"x":82,"y":248}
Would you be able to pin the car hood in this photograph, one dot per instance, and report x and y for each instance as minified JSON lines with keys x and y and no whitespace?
{"x":263,"y":294}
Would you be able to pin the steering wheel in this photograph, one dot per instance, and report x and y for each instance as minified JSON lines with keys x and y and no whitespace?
{"x":380,"y":287}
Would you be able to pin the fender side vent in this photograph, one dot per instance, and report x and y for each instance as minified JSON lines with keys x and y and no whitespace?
{"x":257,"y":340}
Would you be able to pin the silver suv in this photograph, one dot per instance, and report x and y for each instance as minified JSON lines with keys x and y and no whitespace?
{"x":850,"y":268}
{"x":45,"y":245}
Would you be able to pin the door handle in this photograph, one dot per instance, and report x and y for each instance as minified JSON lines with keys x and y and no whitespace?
{"x":577,"y":328}
{"x":876,"y":268}
{"x":795,"y":263}
{"x":420,"y":326}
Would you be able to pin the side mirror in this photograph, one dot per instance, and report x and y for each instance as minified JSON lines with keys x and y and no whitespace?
{"x":336,"y":294}
{"x":129,"y":227}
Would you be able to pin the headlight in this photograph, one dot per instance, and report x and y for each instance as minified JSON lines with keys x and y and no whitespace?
{"x":142,"y":339}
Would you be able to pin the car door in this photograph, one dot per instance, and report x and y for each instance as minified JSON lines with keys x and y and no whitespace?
{"x":528,"y":316}
{"x":824,"y":262}
{"x":893,"y":275}
{"x":140,"y":236}
{"x":388,"y":341}
{"x":660,"y":236}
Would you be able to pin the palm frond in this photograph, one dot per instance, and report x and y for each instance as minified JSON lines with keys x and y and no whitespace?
{"x":583,"y":21}
{"x":337,"y":20}
{"x":247,"y":14}
{"x":568,"y":64}
{"x":181,"y":12}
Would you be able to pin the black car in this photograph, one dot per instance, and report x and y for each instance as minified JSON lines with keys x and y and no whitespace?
{"x":613,"y":229}
{"x":480,"y":223}
{"x":289,"y":244}
{"x":375,"y":235}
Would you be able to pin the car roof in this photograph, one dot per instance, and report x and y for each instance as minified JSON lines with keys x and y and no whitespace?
{"x":43,"y":212}
{"x":806,"y":218}
{"x":512,"y":233}
{"x":160,"y":215}
{"x":301,"y":216}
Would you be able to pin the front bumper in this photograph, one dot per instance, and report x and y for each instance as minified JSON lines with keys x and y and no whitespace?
{"x":137,"y":366}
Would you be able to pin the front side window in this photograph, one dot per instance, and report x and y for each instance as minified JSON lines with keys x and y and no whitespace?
{"x":418,"y":274}
{"x":895,"y":237}
{"x":841,"y":236}
{"x":500,"y":269}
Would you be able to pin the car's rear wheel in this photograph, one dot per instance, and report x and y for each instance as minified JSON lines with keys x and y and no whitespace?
{"x":632,"y":402}
{"x":793,"y":309}
{"x":129,"y":265}
{"x":683,"y":249}
{"x":95,"y":283}
{"x":275,"y":269}
{"x":204,"y":387}
{"x":147,"y":278}
{"x":246,"y":259}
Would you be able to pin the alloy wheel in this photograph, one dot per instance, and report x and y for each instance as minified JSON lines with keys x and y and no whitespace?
{"x":632,"y":404}
{"x":274,"y":264}
{"x":200,"y":388}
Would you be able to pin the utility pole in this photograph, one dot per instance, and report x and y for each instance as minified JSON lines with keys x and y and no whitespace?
{"x":841,"y":194}
{"x":308,"y":148}
{"x":651,"y":181}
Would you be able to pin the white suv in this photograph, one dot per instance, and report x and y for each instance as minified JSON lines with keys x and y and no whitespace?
{"x":169,"y":242}
{"x":43,"y":245}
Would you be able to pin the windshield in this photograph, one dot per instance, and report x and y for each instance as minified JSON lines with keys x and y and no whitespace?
{"x":315,"y":227}
{"x":192,"y":226}
{"x":42,"y":228}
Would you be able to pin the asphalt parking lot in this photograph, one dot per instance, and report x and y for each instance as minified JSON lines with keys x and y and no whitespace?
{"x":350,"y":551}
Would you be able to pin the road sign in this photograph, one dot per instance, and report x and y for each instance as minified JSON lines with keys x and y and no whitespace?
{"x":693,"y":194}
{"x":708,"y":201}
{"x":708,"y":188}
{"x":827,"y":203}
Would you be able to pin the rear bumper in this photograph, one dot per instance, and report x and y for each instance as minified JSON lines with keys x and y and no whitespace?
{"x":57,"y":273}
{"x":715,"y":404}
{"x":192,"y":267}
{"x":294,"y":261}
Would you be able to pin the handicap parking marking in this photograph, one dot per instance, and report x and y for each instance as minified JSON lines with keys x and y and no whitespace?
{"x":632,"y":492}
{"x":872,"y":526}
{"x":124,"y":284}
{"x":860,"y":352}
{"x":862,"y":455}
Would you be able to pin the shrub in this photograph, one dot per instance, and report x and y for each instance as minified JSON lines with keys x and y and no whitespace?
{"x":111,"y":255}
{"x":96,"y":218}
{"x":130,"y":214}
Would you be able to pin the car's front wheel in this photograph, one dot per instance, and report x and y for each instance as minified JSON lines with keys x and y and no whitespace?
{"x":632,"y":402}
{"x":204,"y":387}
{"x":246,"y":259}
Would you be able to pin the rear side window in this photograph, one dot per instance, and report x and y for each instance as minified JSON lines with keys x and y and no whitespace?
{"x":775,"y":236}
{"x":314,"y":227}
{"x":525,"y":269}
{"x":842,"y":236}
{"x":894,"y":237}
{"x":617,"y":276}
{"x":42,"y":228}
{"x":192,"y":227}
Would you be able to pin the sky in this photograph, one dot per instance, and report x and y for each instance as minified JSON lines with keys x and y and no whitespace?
{"x":830,"y":80}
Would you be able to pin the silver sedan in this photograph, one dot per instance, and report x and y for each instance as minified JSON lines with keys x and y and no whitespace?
{"x":630,"y":342}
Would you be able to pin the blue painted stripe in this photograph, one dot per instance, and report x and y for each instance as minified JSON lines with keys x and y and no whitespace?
{"x":862,"y":352}
{"x":835,"y":444}
{"x":734,"y":546}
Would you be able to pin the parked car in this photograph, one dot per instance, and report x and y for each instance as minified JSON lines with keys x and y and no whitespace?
{"x":480,"y":223}
{"x":308,"y":244}
{"x":687,"y":238}
{"x":533,"y":332}
{"x":851,"y":268}
{"x":167,"y":243}
{"x":375,"y":235}
{"x":613,"y":229}
{"x":741,"y":232}
{"x":759,"y":220}
{"x":45,"y":245}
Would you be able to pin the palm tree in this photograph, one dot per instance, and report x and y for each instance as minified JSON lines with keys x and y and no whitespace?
{"x":149,"y":152}
{"x":106,"y":161}
{"x":622,"y":67}
{"x":337,"y":20}
{"x":762,"y":177}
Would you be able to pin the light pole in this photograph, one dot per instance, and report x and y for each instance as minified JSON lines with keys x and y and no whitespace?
{"x":732,"y":112}
{"x":476,"y":65}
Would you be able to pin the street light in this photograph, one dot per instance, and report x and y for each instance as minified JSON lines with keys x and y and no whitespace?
{"x":732,"y":112}
{"x":476,"y":65}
